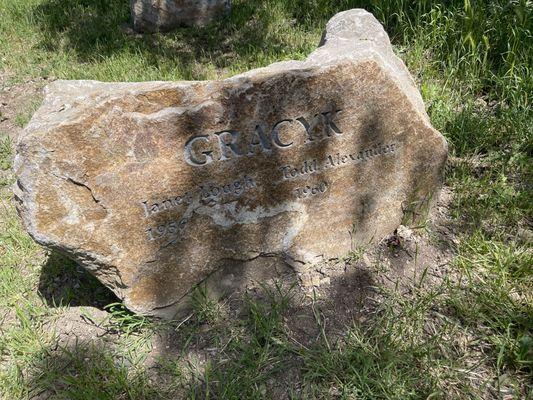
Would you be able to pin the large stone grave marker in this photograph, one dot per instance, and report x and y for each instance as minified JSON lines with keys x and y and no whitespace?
{"x":154,"y":186}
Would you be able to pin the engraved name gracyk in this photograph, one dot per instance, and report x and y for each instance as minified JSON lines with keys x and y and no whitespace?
{"x":199,"y":149}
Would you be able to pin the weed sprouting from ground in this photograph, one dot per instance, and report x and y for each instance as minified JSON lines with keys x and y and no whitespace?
{"x":5,"y":152}
{"x":469,"y":337}
{"x":206,"y":309}
{"x":124,"y":321}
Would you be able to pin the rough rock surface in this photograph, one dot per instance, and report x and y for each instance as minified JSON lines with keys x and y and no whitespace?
{"x":154,"y":186}
{"x":163,"y":15}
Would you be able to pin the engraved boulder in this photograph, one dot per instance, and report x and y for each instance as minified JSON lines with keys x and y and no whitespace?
{"x":155,"y":186}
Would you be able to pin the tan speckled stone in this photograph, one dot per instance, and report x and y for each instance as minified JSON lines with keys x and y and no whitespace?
{"x":154,"y":186}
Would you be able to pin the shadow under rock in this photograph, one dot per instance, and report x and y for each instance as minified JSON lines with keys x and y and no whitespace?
{"x":278,"y":325}
{"x":224,"y":355}
{"x":63,"y":282}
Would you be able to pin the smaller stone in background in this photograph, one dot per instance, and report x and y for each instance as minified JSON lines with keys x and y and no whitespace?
{"x":164,"y":15}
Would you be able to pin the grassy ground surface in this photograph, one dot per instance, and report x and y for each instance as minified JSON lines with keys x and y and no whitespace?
{"x":469,"y":336}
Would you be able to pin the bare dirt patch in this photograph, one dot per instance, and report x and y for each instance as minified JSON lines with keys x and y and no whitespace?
{"x":17,"y":104}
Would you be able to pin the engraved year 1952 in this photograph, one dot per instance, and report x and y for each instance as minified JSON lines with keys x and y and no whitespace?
{"x":311,"y":190}
{"x":171,"y":228}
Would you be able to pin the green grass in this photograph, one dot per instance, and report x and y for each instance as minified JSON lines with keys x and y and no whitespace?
{"x":496,"y":298}
{"x":5,"y":152}
{"x":23,"y":117}
{"x":470,"y":337}
{"x":391,"y":358}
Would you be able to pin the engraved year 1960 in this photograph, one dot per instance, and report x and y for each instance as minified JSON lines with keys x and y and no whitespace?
{"x":311,"y":190}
